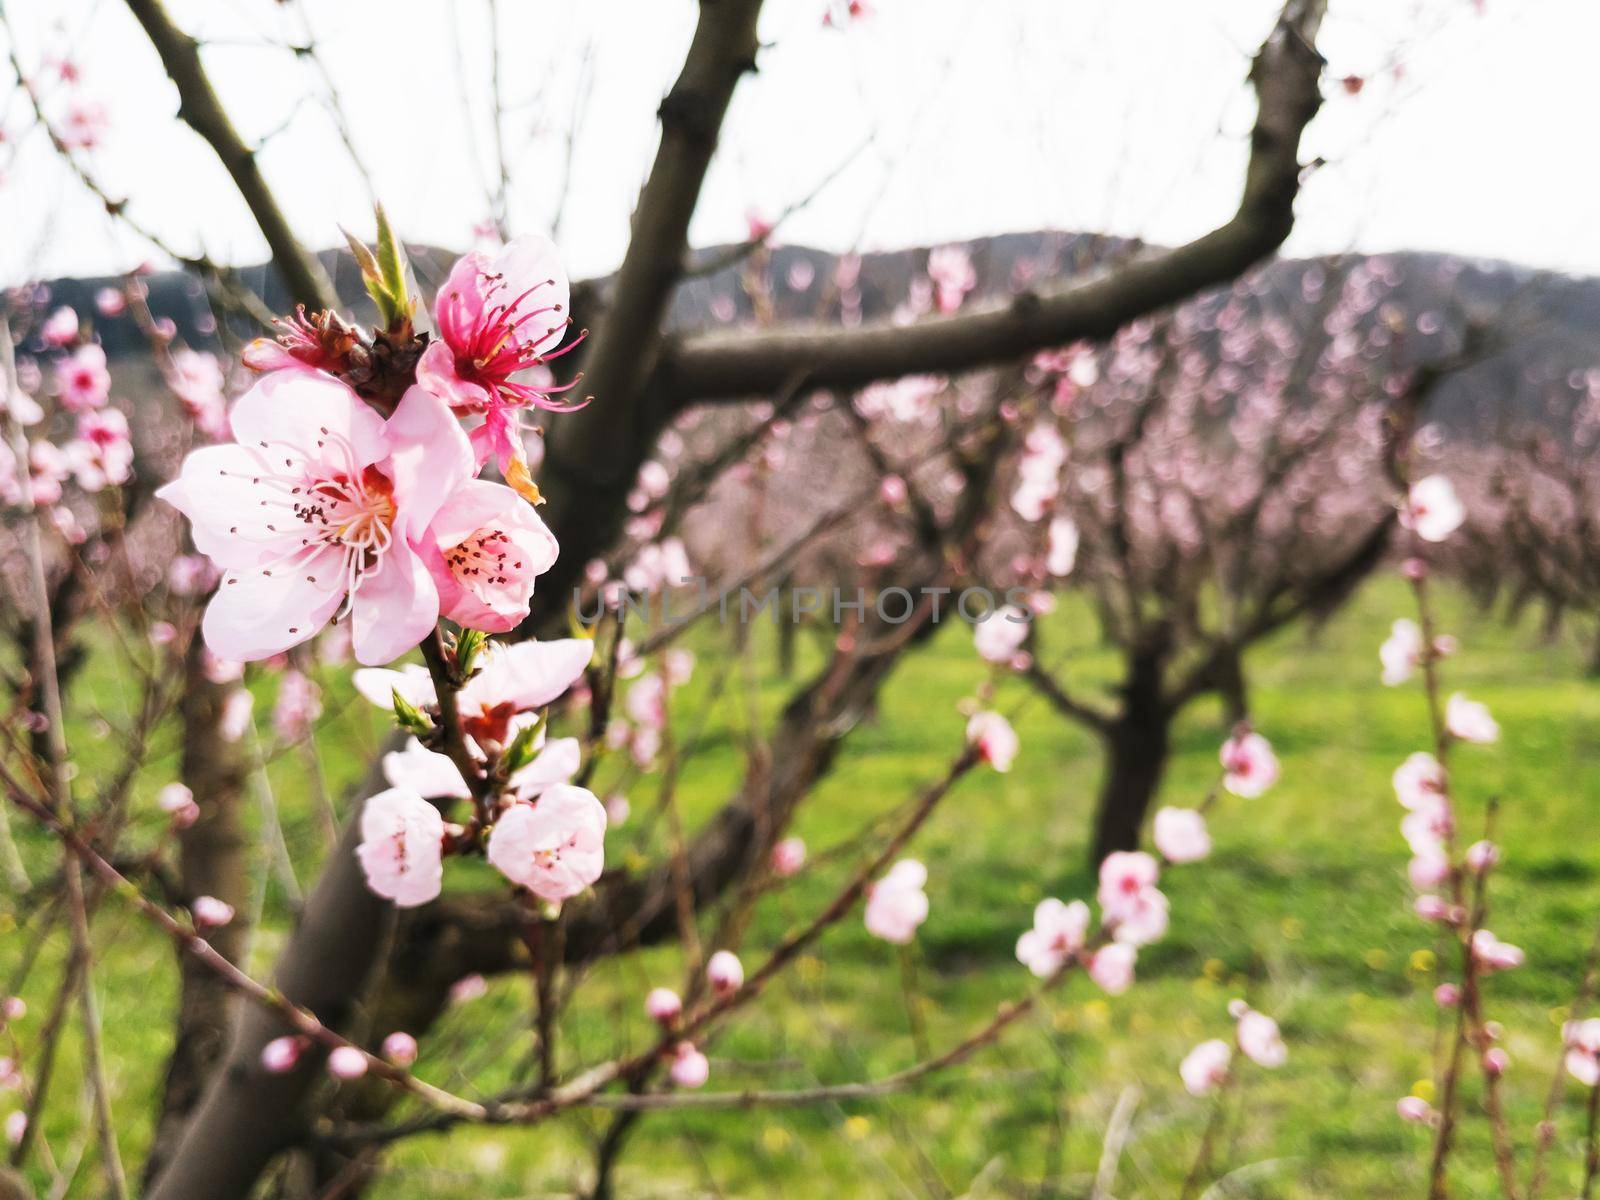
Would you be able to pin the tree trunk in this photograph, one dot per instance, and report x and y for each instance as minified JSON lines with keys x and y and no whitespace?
{"x":1232,"y":688}
{"x":246,"y":1115}
{"x":1136,"y":758}
{"x":211,"y":862}
{"x":1137,"y":746}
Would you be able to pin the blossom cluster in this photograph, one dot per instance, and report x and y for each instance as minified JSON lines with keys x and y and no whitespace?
{"x":322,"y":506}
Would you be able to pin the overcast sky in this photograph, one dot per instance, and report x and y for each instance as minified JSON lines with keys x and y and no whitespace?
{"x":932,"y":120}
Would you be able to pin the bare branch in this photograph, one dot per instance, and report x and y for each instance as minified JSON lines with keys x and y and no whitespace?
{"x":202,"y":111}
{"x":1285,"y":74}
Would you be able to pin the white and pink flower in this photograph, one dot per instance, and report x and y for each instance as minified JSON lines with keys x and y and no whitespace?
{"x":1432,"y":509}
{"x":1058,"y":934}
{"x":995,"y":739}
{"x":1205,"y":1067}
{"x":1180,"y":835}
{"x":554,"y":846}
{"x":321,"y":506}
{"x":401,"y":850}
{"x":897,"y":904}
{"x":1469,"y":720}
{"x":1401,"y":652}
{"x":499,"y":321}
{"x":1248,"y":763}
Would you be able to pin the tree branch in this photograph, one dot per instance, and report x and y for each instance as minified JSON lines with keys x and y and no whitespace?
{"x":1285,"y":75}
{"x":202,"y":111}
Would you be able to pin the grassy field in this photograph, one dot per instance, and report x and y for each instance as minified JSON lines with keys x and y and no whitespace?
{"x":1304,"y":909}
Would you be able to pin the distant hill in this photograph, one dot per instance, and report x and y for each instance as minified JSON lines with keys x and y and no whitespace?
{"x":1543,"y":327}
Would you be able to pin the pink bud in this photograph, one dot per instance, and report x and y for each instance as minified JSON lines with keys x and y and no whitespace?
{"x":689,"y":1067}
{"x":893,"y":490}
{"x":400,"y":1049}
{"x":663,"y":1005}
{"x":13,"y":1008}
{"x":1414,"y":569}
{"x":788,"y":856}
{"x":178,"y":802}
{"x":1414,"y":1109}
{"x":346,"y":1062}
{"x":1431,"y":908}
{"x":1482,"y":856}
{"x":1447,"y":995}
{"x":281,"y":1054}
{"x":1495,"y":1061}
{"x":725,"y":973}
{"x":210,"y":913}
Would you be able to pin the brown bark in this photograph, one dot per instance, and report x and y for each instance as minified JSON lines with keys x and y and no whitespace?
{"x":202,"y":111}
{"x":1138,"y":744}
{"x":593,"y":456}
{"x":212,"y":861}
{"x":1285,"y":74}
{"x":246,"y":1115}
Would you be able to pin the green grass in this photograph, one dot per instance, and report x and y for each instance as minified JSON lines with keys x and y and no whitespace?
{"x":1303,"y":908}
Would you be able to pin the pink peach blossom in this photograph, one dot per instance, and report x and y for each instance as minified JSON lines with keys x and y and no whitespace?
{"x":400,"y":1048}
{"x":1491,"y":954}
{"x":1062,"y":553}
{"x":896,"y":904}
{"x":1180,"y":834}
{"x":82,"y":380}
{"x":280,"y":1055}
{"x":492,"y":546}
{"x":1432,"y":509}
{"x":16,"y":1125}
{"x":725,"y":973}
{"x":1414,"y":1109}
{"x":318,"y":505}
{"x":346,"y":1063}
{"x":1205,"y":1067}
{"x":60,"y":328}
{"x":663,"y":1005}
{"x":1419,"y":781}
{"x":995,"y":739}
{"x":236,"y":711}
{"x":1000,"y":635}
{"x":1401,"y":652}
{"x":210,"y":913}
{"x":500,"y":319}
{"x":689,"y":1067}
{"x":1058,"y":934}
{"x":299,"y":705}
{"x":1248,"y":763}
{"x":1259,"y":1038}
{"x":1482,"y":856}
{"x":788,"y":856}
{"x":101,"y":455}
{"x":646,"y":702}
{"x":1132,"y":907}
{"x":1428,"y":870}
{"x":1111,"y":967}
{"x":554,"y":847}
{"x":401,"y":847}
{"x":178,"y":802}
{"x":1470,"y":721}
